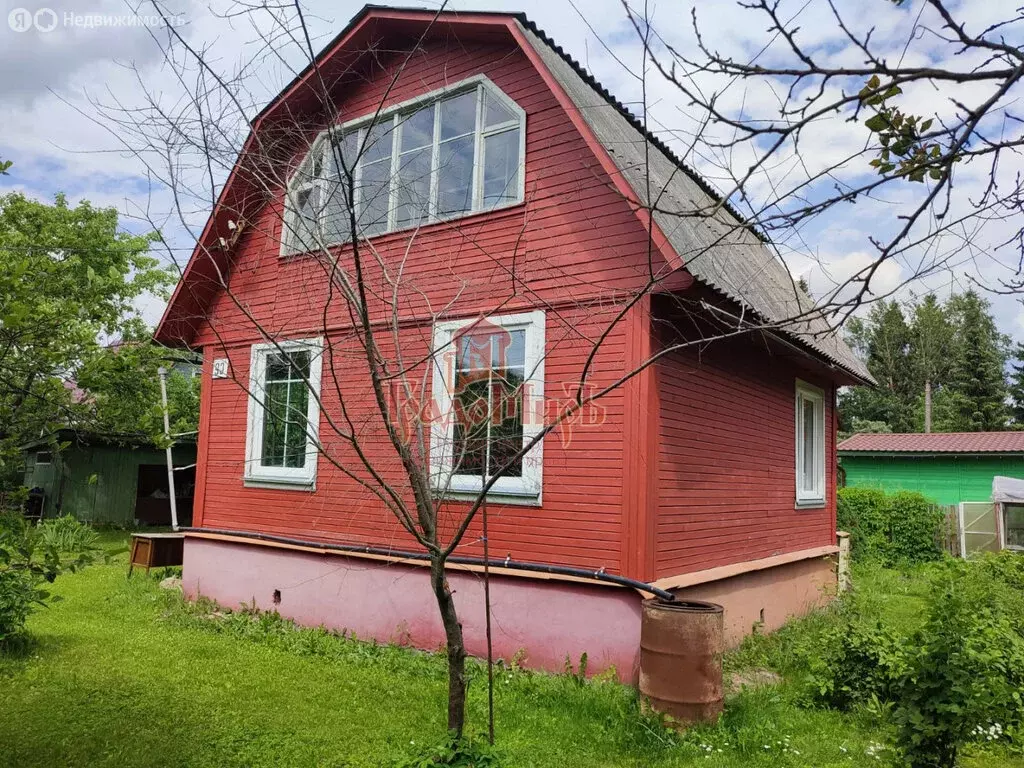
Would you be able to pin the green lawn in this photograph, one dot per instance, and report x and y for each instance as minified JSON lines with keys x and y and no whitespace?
{"x":122,"y":675}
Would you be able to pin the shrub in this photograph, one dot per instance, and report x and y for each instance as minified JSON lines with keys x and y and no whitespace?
{"x":30,"y":558}
{"x":953,"y":678}
{"x":914,"y":528}
{"x":23,"y":572}
{"x":20,"y":592}
{"x":893,"y":529}
{"x":859,"y":662}
{"x":965,"y":666}
{"x":861,"y":512}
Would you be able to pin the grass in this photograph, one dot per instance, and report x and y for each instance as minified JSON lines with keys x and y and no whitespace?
{"x":121,"y":673}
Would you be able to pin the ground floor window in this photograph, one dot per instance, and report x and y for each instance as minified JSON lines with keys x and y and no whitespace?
{"x":489,"y":394}
{"x":810,"y":445}
{"x":284,"y":389}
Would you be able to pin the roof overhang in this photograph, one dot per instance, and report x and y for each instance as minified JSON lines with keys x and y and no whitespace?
{"x":88,"y":437}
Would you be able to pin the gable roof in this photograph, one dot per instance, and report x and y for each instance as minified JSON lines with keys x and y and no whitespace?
{"x":733,"y":260}
{"x":935,"y":442}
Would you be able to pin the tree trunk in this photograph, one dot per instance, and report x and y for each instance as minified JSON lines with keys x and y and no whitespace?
{"x":927,"y":405}
{"x":456,"y":648}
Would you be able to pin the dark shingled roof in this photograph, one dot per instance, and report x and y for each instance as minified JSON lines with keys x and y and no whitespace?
{"x":732,"y":259}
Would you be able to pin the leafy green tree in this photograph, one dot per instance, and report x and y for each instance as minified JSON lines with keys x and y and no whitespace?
{"x":123,"y":387}
{"x":978,"y":368}
{"x":67,"y":276}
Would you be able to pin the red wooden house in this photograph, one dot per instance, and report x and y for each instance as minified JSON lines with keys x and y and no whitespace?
{"x":710,"y":472}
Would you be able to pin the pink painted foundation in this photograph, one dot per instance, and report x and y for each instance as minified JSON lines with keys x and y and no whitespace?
{"x":542,"y":622}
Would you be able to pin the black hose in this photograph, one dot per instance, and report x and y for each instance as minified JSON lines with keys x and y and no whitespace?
{"x":554,"y":570}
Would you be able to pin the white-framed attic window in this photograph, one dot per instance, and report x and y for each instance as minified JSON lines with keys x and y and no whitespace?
{"x":488,"y":389}
{"x":448,"y":153}
{"x":284,"y":412}
{"x":810,"y":445}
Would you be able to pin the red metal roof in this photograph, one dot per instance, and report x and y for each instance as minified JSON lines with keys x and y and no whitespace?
{"x":936,"y":442}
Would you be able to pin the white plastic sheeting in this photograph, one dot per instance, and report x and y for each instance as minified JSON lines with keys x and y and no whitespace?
{"x":1009,"y":490}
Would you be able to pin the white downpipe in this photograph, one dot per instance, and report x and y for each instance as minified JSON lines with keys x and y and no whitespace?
{"x":170,"y":457}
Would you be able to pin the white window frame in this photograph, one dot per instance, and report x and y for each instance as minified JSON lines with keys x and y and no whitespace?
{"x":40,"y":462}
{"x":809,"y":393}
{"x":255,"y":472}
{"x":479,"y":83}
{"x":1000,"y":522}
{"x":527,"y":488}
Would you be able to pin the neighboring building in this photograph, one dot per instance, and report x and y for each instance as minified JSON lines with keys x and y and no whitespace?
{"x":947,"y":467}
{"x":711,"y":472}
{"x":108,"y":479}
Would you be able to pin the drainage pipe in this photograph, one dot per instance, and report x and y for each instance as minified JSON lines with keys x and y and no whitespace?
{"x":554,"y":570}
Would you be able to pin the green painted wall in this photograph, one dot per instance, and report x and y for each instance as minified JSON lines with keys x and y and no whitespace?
{"x":947,"y":479}
{"x":95,"y":483}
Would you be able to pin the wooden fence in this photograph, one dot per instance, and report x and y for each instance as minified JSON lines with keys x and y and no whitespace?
{"x":949,"y":532}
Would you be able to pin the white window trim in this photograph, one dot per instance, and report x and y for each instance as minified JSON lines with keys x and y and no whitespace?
{"x":255,"y":473}
{"x":805,"y":391}
{"x":321,"y":144}
{"x":522,"y":490}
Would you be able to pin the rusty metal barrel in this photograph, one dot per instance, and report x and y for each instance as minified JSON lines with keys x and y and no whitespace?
{"x":681,"y":645}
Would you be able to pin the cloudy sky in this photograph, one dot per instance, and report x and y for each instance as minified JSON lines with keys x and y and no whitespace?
{"x":54,"y":83}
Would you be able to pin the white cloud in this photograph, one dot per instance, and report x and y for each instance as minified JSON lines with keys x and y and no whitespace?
{"x":49,"y":85}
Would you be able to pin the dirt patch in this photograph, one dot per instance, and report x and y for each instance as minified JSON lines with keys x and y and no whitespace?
{"x":750,"y":678}
{"x":171,"y":582}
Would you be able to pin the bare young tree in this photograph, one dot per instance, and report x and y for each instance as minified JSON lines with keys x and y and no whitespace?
{"x":904,"y":107}
{"x":400,"y":367}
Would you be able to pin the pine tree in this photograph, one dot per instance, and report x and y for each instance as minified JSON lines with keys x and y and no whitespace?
{"x":978,"y":377}
{"x":945,"y":370}
{"x":1017,"y":385}
{"x":931,"y":340}
{"x":884,"y":341}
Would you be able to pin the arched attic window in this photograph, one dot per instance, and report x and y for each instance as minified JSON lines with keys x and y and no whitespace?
{"x":445,"y":154}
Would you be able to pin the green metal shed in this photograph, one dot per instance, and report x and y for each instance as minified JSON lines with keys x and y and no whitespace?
{"x":108,"y":479}
{"x":948,"y":467}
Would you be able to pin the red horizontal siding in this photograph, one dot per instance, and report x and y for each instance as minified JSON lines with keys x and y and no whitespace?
{"x":726,"y":462}
{"x":574,"y":239}
{"x":573,"y":247}
{"x":722,"y":487}
{"x":579,"y":522}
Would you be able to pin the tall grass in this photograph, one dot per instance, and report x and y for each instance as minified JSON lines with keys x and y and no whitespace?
{"x":66,"y":534}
